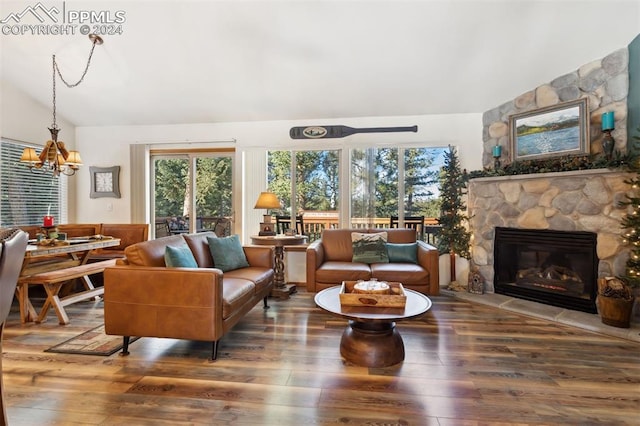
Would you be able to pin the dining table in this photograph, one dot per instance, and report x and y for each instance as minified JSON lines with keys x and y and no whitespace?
{"x":54,"y":264}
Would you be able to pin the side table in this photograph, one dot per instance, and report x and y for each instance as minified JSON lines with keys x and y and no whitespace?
{"x":280,"y":288}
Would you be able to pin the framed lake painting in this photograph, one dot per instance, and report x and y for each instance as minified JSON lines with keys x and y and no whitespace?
{"x":553,"y":131}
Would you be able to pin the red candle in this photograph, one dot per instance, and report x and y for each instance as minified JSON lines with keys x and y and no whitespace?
{"x":48,"y":221}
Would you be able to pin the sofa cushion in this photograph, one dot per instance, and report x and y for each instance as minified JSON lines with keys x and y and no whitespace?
{"x":337,"y":244}
{"x":179,"y":257}
{"x":336,"y":272}
{"x":235,"y":293}
{"x":151,"y":253}
{"x":406,"y":273}
{"x":199,"y":246}
{"x":261,"y":277}
{"x":403,"y":253}
{"x":369,"y":248}
{"x":227,"y":253}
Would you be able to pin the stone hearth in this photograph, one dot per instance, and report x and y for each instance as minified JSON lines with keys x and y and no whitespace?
{"x":568,"y":317}
{"x":585,"y":200}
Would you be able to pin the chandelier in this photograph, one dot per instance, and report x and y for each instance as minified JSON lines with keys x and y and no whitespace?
{"x":54,"y":157}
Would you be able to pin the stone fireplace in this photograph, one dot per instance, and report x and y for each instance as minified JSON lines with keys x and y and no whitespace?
{"x":585,"y":201}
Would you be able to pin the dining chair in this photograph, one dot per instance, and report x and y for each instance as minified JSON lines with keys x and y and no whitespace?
{"x":13,"y":244}
{"x":412,"y":222}
{"x":283,"y":224}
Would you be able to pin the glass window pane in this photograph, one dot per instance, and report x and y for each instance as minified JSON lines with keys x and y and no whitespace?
{"x":374,"y":187}
{"x":171,"y":201}
{"x":213,"y":194}
{"x":279,"y":178}
{"x":421,"y":170}
{"x":316,"y":187}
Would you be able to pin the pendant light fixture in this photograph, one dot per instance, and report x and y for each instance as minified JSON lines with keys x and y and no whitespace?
{"x":54,"y":157}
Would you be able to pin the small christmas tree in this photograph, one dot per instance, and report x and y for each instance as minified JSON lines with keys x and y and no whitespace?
{"x":454,"y":236}
{"x":631,"y":222}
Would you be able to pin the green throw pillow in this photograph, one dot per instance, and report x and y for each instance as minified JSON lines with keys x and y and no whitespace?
{"x":179,"y":257}
{"x":369,"y":248}
{"x":403,"y":253}
{"x":227,"y":253}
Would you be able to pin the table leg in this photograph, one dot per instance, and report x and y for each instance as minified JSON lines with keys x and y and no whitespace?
{"x":372,"y":344}
{"x":53,"y":300}
{"x":278,"y":280}
{"x":280,"y":288}
{"x":27,"y":311}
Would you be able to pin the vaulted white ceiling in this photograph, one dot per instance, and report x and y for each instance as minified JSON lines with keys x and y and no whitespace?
{"x":224,"y":61}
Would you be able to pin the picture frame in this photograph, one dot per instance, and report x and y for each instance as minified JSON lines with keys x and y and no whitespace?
{"x":105,"y":182}
{"x":558,"y":130}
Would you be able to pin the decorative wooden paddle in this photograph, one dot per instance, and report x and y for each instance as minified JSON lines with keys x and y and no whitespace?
{"x":320,"y":132}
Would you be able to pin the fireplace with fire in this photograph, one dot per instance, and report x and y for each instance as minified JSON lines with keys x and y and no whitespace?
{"x":557,"y":268}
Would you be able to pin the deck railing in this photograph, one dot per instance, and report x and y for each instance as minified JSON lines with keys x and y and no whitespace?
{"x":313,"y":224}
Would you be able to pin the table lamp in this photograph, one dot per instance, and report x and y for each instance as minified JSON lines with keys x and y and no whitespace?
{"x":267,"y":200}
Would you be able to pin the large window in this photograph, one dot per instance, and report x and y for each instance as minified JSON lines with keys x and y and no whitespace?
{"x":382,"y":182}
{"x":26,"y":196}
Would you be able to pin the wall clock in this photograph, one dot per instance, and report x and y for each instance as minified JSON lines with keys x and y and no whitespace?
{"x":104,"y":182}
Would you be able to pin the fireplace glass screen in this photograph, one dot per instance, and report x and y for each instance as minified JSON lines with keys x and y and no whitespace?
{"x":557,"y":268}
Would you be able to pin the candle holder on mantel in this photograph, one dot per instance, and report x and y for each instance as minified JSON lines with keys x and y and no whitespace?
{"x":497,"y":153}
{"x":608,"y":143}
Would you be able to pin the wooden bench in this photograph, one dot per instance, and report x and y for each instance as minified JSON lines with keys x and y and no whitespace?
{"x":52,"y":281}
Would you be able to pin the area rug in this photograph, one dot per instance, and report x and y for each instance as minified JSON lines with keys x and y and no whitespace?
{"x":92,"y":342}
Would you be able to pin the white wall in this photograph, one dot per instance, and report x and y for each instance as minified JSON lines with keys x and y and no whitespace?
{"x":109,"y":146}
{"x":24,"y":119}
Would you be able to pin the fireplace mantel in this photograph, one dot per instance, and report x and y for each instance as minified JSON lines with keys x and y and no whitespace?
{"x":582,"y":200}
{"x":550,"y":175}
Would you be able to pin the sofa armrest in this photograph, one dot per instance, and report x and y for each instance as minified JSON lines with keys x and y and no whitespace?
{"x":428,"y":258}
{"x":260,"y":256}
{"x":183,"y":303}
{"x":315,"y":258}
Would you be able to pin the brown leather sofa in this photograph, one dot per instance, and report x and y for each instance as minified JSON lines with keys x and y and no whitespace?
{"x":329,"y":262}
{"x":144,"y":298}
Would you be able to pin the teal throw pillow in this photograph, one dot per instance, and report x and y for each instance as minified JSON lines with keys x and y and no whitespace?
{"x":179,"y":257}
{"x":403,"y":253}
{"x":369,"y":248}
{"x":227,"y":253}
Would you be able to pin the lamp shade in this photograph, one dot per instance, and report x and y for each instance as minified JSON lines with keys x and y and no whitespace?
{"x":267,"y":200}
{"x":74,"y":159}
{"x":29,"y":156}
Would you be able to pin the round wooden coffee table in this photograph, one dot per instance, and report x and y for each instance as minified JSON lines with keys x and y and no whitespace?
{"x":371,"y":339}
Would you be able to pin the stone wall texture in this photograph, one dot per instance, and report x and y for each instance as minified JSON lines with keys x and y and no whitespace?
{"x":604,"y":82}
{"x":567,"y":201}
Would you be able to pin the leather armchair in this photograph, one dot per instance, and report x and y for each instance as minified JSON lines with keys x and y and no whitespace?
{"x":13,"y":243}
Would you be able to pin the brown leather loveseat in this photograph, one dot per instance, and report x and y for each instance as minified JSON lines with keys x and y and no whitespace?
{"x":145,"y":298}
{"x":329,"y":262}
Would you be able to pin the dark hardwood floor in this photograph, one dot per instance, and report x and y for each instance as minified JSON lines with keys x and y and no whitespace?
{"x":466,"y":364}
